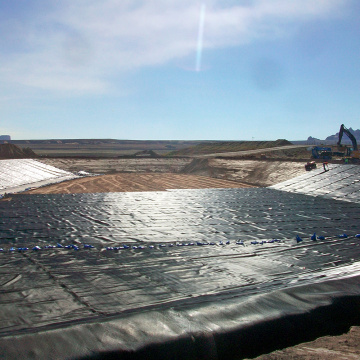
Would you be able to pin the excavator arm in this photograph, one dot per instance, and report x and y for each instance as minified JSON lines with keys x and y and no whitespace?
{"x":343,"y":130}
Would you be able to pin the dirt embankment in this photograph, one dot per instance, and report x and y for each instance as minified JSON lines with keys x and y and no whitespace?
{"x":161,"y":174}
{"x":11,"y":151}
{"x":114,"y":165}
{"x":254,"y":172}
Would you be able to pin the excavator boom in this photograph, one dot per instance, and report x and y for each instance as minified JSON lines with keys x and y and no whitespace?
{"x":343,"y":130}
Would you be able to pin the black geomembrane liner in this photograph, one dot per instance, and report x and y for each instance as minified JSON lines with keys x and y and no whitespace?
{"x":200,"y":275}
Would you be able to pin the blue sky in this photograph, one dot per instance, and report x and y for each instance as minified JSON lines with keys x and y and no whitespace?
{"x":179,"y":69}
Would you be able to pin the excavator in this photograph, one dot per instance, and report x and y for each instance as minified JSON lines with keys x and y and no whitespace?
{"x":352,"y":154}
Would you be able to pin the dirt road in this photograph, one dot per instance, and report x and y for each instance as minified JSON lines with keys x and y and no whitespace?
{"x":249,"y":152}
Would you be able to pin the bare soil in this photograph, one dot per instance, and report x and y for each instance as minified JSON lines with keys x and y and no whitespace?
{"x":251,"y":172}
{"x":135,"y":182}
{"x":113,"y":165}
{"x":345,"y":347}
{"x":255,"y":172}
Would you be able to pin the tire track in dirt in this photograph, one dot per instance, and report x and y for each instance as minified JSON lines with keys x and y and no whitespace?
{"x":130,"y":182}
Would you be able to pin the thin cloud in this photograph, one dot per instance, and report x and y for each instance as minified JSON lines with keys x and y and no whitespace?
{"x":78,"y":47}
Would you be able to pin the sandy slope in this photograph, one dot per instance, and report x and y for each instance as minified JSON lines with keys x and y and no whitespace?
{"x":111,"y":165}
{"x":136,"y":182}
{"x":253,"y":172}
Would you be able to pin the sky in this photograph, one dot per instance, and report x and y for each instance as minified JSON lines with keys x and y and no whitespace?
{"x":179,"y":69}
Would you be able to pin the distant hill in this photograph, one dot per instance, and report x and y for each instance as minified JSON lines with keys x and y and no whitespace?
{"x":11,"y":151}
{"x":330,"y":140}
{"x":345,"y":139}
{"x":4,"y":139}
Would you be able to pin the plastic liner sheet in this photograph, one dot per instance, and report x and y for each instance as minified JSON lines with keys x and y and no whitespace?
{"x":17,"y":174}
{"x":179,"y":274}
{"x":180,"y":215}
{"x":340,"y":182}
{"x":232,"y":328}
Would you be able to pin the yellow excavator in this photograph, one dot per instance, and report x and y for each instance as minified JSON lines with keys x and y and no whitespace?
{"x":351,"y":153}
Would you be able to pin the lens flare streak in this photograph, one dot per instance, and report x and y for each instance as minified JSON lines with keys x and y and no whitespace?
{"x":200,"y":37}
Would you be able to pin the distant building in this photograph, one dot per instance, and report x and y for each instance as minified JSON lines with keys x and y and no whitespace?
{"x":5,"y":139}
